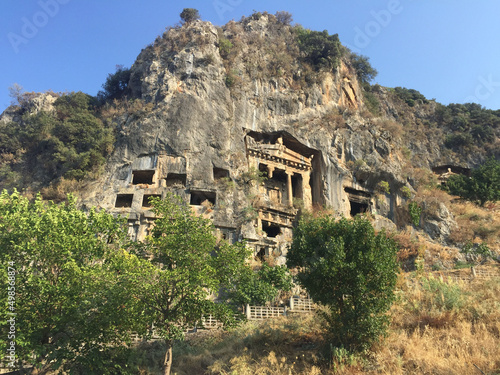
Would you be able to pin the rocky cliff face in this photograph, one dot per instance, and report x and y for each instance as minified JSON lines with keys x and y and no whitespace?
{"x":248,"y":154}
{"x":248,"y":137}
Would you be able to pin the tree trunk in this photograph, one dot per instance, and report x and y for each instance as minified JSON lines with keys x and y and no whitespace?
{"x":167,"y":362}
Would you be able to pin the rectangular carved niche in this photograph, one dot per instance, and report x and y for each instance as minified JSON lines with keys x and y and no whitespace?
{"x":198,"y":197}
{"x":220,"y":173}
{"x":176,"y":180}
{"x":124,"y":200}
{"x":145,"y":199}
{"x":359,"y":201}
{"x":271,"y":229}
{"x":143,"y":177}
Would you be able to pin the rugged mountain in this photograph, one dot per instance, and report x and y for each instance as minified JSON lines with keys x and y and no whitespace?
{"x":250,"y":125}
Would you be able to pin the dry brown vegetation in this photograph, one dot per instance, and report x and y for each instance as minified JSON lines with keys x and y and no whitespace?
{"x":476,"y":224}
{"x":438,"y":327}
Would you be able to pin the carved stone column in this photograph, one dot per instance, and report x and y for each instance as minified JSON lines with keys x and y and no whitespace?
{"x":270,"y":170}
{"x":289,"y":188}
{"x":306,"y":189}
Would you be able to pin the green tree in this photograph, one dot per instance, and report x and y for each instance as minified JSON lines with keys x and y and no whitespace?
{"x":409,"y":96}
{"x":178,"y":271}
{"x":345,"y":266}
{"x":116,"y":85}
{"x":67,"y":142}
{"x":189,"y":15}
{"x":284,"y":17}
{"x":365,"y":72}
{"x":257,"y":288}
{"x":65,"y":293}
{"x":481,"y":187}
{"x":318,"y":48}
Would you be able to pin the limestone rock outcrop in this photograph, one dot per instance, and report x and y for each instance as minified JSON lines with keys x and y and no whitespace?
{"x":247,"y":148}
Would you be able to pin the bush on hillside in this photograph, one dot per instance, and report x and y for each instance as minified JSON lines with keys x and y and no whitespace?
{"x":345,"y":266}
{"x":189,"y":15}
{"x":481,"y":187}
{"x":116,"y":85}
{"x":67,"y":142}
{"x":318,"y":48}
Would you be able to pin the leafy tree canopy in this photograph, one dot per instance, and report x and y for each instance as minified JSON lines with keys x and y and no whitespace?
{"x":284,"y":17}
{"x":481,"y":187}
{"x":365,"y":72}
{"x":318,"y":48}
{"x":67,"y":300}
{"x":257,"y":288}
{"x":468,"y":125}
{"x":67,"y":142}
{"x":345,"y":266}
{"x":116,"y":85}
{"x":189,"y":15}
{"x":177,"y":271}
{"x":410,"y":96}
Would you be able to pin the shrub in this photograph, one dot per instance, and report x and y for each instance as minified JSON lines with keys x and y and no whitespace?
{"x":371,"y":102}
{"x":346,"y":266}
{"x":445,"y":296}
{"x":409,"y":96}
{"x":365,"y":72}
{"x":116,"y":85}
{"x":383,"y":187}
{"x":481,"y":187}
{"x":225,"y":47}
{"x":477,"y":249}
{"x":68,"y":142}
{"x":406,"y":192}
{"x":284,"y":18}
{"x":319,"y":49}
{"x":189,"y":15}
{"x":458,"y":140}
{"x":262,"y":286}
{"x":415,"y":212}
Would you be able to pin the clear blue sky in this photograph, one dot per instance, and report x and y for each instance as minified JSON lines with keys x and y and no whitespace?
{"x":446,"y":49}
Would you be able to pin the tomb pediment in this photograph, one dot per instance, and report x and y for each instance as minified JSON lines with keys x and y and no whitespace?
{"x":280,"y":148}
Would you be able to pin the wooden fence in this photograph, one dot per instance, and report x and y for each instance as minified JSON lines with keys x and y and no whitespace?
{"x":466,"y":274}
{"x":302,"y":305}
{"x":306,"y":305}
{"x":264,"y":312}
{"x":296,"y":305}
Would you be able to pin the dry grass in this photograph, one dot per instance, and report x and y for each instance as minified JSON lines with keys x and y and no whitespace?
{"x":394,"y":128}
{"x":444,"y":328}
{"x":437,"y":328}
{"x":281,"y":346}
{"x":476,"y":224}
{"x":59,"y":190}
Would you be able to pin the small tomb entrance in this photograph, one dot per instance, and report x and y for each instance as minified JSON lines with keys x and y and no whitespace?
{"x":220,"y":173}
{"x":124,"y":200}
{"x":271,"y":229}
{"x":359,"y":201}
{"x":176,"y":179}
{"x":198,"y":197}
{"x":143,"y":177}
{"x":146,"y":202}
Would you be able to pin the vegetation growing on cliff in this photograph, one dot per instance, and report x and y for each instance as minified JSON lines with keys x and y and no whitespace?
{"x":69,"y":141}
{"x":482,"y":186}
